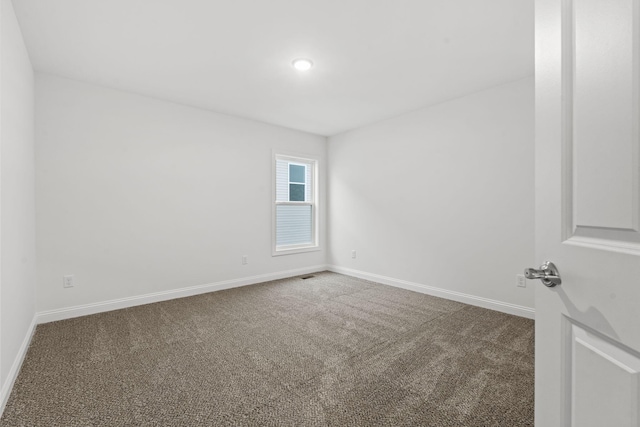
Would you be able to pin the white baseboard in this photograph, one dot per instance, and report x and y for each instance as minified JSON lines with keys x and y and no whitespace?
{"x":5,"y":392}
{"x":504,"y":307}
{"x":116,"y":304}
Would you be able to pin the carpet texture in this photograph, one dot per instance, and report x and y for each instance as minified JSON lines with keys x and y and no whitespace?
{"x":331,"y":350}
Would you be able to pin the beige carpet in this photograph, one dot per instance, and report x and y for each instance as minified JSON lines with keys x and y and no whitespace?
{"x":327,"y":351}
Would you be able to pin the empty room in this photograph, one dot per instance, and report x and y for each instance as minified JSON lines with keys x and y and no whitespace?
{"x":320,"y":213}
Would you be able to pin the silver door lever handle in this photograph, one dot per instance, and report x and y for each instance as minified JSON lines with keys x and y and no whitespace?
{"x":548,"y":274}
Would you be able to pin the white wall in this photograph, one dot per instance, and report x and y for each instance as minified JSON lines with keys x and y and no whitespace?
{"x":17,"y":199}
{"x":442,"y":196}
{"x":137,"y":195}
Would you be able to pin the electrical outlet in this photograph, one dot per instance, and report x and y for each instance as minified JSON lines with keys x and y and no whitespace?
{"x":521,"y":282}
{"x":245,"y":260}
{"x":353,"y":253}
{"x":67,"y":281}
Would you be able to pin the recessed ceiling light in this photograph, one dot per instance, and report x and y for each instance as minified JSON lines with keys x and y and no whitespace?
{"x":302,"y":64}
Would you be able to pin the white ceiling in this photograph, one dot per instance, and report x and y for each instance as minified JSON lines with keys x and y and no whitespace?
{"x":373,"y":58}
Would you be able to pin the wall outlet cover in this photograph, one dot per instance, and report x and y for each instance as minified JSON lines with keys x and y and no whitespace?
{"x":67,"y":281}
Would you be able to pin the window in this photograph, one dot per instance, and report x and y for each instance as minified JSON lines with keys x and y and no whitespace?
{"x":295,"y":207}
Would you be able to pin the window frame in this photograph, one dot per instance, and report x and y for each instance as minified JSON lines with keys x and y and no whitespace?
{"x":306,"y":161}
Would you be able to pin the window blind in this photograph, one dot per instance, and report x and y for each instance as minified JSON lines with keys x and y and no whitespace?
{"x":293,"y":225}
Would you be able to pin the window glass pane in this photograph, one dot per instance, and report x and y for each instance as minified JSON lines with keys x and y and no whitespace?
{"x":282,"y":180}
{"x":296,"y":192}
{"x":293,"y":225}
{"x":296,"y":173}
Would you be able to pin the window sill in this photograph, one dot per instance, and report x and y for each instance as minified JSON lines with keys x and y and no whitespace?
{"x":298,"y":250}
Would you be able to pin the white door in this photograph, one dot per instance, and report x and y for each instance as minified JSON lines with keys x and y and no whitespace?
{"x":588,"y":212}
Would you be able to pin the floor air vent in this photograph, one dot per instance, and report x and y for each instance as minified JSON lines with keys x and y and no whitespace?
{"x":307,"y":277}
